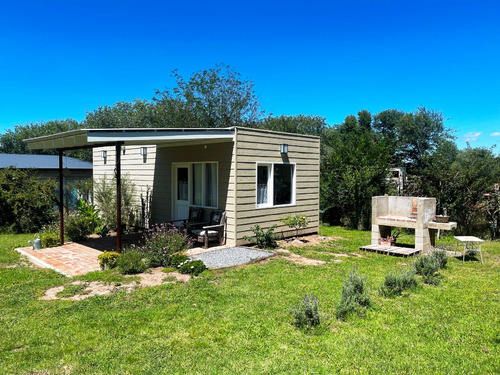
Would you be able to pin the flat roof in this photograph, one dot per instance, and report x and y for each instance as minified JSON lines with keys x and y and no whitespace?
{"x":82,"y":138}
{"x":27,"y":161}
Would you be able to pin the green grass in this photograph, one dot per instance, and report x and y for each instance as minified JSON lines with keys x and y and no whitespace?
{"x":237,"y":320}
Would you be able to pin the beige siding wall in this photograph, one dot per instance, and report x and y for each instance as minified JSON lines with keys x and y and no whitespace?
{"x":222,"y":153}
{"x":138,"y":169}
{"x":255,"y":146}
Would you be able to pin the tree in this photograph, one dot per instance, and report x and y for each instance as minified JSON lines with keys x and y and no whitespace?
{"x":300,"y":124}
{"x":12,"y":141}
{"x":411,"y":136}
{"x":353,"y":170}
{"x":215,"y":98}
{"x":135,"y":114}
{"x":26,"y":202}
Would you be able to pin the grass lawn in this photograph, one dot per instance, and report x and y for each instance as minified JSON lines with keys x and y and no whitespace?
{"x":237,"y":320}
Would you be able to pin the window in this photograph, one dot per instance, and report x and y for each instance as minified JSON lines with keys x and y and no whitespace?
{"x":204,"y":184}
{"x":275,"y":184}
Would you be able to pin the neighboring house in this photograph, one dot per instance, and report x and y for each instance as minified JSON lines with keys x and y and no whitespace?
{"x":47,"y":166}
{"x":256,"y":176}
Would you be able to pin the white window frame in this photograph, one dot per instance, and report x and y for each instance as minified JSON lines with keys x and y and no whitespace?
{"x":270,"y":184}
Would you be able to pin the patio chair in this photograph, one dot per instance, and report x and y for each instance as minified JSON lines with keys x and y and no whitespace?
{"x":194,"y":220}
{"x":215,"y":230}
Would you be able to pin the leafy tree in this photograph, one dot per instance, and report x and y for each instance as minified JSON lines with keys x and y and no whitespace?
{"x":411,"y":136}
{"x":12,"y":141}
{"x":300,"y":124}
{"x":353,"y":170}
{"x":135,"y":114}
{"x":215,"y":98}
{"x":26,"y":202}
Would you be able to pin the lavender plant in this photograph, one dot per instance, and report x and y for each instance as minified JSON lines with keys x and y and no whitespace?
{"x":161,"y":242}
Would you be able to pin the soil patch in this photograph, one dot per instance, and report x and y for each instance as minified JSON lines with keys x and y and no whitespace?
{"x":311,"y":240}
{"x":98,"y":288}
{"x":295,"y":258}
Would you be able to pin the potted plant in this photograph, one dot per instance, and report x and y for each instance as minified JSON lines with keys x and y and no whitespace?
{"x":390,"y":240}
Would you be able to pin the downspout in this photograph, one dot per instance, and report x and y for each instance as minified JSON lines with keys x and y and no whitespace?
{"x":235,"y":186}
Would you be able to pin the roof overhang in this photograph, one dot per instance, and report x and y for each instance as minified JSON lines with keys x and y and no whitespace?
{"x":85,"y":138}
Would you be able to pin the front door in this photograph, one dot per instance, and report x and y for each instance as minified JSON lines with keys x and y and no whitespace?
{"x":181,"y":190}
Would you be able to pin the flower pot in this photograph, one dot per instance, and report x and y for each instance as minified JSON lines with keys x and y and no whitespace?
{"x":387,"y":241}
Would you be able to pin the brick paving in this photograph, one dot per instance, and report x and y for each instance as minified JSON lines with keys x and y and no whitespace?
{"x":73,"y":259}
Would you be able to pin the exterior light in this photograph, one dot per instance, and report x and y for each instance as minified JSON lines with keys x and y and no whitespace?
{"x":104,"y":154}
{"x":144,"y":151}
{"x":284,"y":148}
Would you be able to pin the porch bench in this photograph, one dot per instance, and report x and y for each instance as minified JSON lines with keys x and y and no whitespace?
{"x":216,"y":230}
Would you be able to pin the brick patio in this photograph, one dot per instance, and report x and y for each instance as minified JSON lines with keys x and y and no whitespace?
{"x":73,"y":259}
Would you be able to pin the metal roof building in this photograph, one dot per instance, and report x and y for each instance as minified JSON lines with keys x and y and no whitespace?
{"x":26,"y":161}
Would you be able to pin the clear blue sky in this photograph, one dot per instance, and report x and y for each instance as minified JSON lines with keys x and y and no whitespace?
{"x":60,"y":59}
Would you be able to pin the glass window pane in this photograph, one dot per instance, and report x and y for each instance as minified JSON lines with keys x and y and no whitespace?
{"x":197,"y":185}
{"x":211,"y":184}
{"x":283,"y":183}
{"x":262,"y":180}
{"x":182,"y":184}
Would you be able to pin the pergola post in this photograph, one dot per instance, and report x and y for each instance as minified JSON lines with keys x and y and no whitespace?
{"x":118,"y":198}
{"x":61,"y":199}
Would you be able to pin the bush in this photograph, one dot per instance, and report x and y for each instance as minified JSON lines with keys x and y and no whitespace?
{"x":440,"y":257}
{"x":131,"y":262}
{"x":162,"y":242}
{"x":397,"y":282}
{"x":427,"y":267}
{"x":49,"y":235}
{"x":193,"y":267}
{"x":306,"y":312}
{"x":102,"y":230}
{"x":296,"y":222}
{"x":105,"y":198}
{"x":26,"y":203}
{"x":90,"y":213}
{"x":77,"y":227}
{"x":263,"y":239}
{"x":108,"y":260}
{"x":178,"y":259}
{"x":354,"y":295}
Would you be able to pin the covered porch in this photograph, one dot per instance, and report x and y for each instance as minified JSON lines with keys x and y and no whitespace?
{"x":175,"y":158}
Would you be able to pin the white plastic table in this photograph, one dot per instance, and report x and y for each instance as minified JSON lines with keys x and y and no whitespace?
{"x":471,"y":244}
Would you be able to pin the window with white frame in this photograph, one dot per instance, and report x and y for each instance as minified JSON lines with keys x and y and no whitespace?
{"x":275,"y":184}
{"x":204,"y":191}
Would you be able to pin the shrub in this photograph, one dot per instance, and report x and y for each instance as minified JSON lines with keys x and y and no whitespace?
{"x":296,"y":222}
{"x":26,"y":203}
{"x":193,"y":267}
{"x":49,"y":235}
{"x":178,"y":259}
{"x":105,"y":198}
{"x":397,"y":282}
{"x":77,"y":227}
{"x":108,"y":260}
{"x":162,"y":242}
{"x":131,"y":262}
{"x":427,"y":267}
{"x":440,"y":257}
{"x":354,"y":295}
{"x":102,"y":230}
{"x":306,"y":312}
{"x":90,"y":213}
{"x":263,"y":239}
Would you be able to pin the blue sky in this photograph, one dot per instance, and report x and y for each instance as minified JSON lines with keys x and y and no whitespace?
{"x":60,"y":59}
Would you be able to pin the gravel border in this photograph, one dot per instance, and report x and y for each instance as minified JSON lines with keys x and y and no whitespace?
{"x":232,"y":256}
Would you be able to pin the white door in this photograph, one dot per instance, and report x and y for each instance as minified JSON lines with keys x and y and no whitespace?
{"x":181,"y":190}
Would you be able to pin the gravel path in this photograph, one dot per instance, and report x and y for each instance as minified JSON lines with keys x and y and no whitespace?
{"x":233,"y":256}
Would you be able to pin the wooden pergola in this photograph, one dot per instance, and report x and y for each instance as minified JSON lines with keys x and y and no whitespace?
{"x":91,"y":138}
